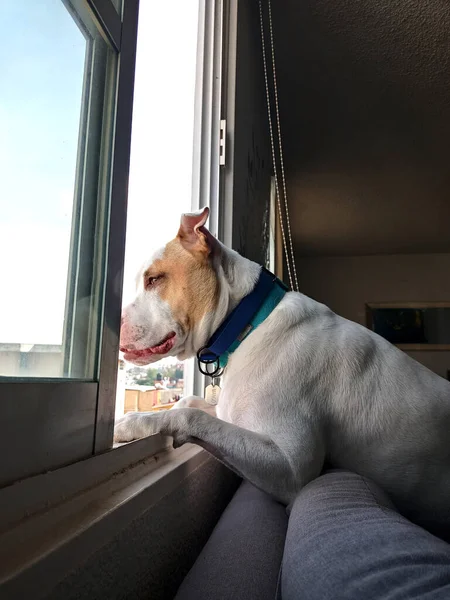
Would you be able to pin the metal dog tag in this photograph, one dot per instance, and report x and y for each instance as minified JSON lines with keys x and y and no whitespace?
{"x":212,"y":393}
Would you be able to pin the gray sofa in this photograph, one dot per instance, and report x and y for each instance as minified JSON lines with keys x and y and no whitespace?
{"x":342,"y":539}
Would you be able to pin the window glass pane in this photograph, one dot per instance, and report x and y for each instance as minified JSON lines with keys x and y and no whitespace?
{"x":57,"y":75}
{"x":118,"y":4}
{"x":160,"y":173}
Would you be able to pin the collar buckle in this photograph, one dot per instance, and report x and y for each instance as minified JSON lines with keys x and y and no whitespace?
{"x":209,"y":363}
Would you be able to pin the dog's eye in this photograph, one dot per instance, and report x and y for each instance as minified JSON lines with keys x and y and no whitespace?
{"x":150,"y":281}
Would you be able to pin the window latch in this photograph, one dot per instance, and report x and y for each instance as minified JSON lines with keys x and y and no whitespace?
{"x":222,"y":141}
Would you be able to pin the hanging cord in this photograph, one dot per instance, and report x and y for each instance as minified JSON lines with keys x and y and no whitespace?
{"x":288,"y":251}
{"x":283,"y":178}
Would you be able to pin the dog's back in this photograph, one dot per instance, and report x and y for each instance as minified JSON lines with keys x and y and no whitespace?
{"x":389,"y":417}
{"x":391,"y":422}
{"x":383,"y":414}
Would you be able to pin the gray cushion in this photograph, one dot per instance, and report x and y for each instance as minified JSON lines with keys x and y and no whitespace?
{"x":242,"y":558}
{"x":345,"y":540}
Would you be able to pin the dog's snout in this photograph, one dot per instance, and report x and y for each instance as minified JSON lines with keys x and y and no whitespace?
{"x":128,"y":347}
{"x":126,"y":333}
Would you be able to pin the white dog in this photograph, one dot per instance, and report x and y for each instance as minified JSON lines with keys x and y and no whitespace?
{"x":302,"y":386}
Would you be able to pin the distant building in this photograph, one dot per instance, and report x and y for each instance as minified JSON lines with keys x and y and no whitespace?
{"x":31,"y":360}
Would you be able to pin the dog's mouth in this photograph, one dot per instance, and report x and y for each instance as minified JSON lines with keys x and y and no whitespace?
{"x":163,"y":347}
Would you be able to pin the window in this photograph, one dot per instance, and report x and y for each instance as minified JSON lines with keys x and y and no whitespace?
{"x":55,"y":141}
{"x":65,"y":123}
{"x":67,"y":71}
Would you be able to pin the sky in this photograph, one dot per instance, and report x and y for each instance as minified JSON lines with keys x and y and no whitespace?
{"x":42,"y":54}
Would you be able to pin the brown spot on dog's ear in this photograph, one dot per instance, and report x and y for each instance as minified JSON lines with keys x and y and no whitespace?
{"x":192,"y":233}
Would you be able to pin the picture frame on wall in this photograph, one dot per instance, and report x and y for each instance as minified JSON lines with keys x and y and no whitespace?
{"x":411,"y":325}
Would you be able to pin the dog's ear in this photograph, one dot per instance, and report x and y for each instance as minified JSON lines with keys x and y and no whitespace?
{"x":192,"y":233}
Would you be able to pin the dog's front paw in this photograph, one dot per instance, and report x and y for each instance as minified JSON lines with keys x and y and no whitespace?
{"x":180,"y":438}
{"x":134,"y":426}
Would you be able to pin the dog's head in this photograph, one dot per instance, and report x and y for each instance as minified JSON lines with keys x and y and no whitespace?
{"x":176,"y":289}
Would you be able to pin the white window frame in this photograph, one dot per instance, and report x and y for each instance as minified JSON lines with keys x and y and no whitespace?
{"x":209,"y":110}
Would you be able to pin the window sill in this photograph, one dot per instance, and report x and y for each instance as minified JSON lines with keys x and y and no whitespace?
{"x":51,"y":523}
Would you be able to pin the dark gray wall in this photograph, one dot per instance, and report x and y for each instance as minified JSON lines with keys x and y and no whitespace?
{"x":247,"y":185}
{"x":365,"y":107}
{"x":150,"y":558}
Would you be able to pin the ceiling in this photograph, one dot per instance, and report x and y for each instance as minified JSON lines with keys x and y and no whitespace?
{"x":364,"y":91}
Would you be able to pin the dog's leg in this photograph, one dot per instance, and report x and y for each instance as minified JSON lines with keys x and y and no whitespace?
{"x":195,"y":402}
{"x":279,"y":469}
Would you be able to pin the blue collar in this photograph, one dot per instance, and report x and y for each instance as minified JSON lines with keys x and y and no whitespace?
{"x":251,"y":311}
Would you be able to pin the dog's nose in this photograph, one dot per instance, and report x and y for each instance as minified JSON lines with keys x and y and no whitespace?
{"x":127,"y":334}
